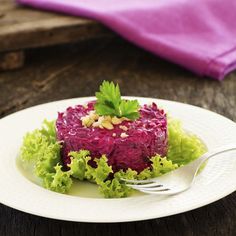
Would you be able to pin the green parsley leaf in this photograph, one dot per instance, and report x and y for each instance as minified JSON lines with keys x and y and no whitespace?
{"x":129,"y":109}
{"x":109,"y":102}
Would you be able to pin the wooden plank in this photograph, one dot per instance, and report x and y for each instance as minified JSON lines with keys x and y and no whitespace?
{"x":22,"y":27}
{"x":11,"y":60}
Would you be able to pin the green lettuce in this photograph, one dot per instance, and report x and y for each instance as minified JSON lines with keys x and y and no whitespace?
{"x":79,"y":163}
{"x":58,"y":181}
{"x":41,"y":148}
{"x":183,"y":147}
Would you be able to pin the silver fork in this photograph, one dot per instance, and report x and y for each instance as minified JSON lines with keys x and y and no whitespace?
{"x":178,"y":180}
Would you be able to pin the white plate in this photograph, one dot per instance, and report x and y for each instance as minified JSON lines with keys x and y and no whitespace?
{"x":216,"y":181}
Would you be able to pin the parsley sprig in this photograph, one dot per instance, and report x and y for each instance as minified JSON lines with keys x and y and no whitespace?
{"x":109,"y":102}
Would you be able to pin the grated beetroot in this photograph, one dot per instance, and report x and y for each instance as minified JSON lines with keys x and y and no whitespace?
{"x":147,"y":137}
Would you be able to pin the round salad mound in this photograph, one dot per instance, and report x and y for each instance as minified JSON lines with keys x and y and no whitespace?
{"x":144,"y":137}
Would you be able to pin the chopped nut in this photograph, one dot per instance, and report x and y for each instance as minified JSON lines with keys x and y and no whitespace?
{"x":116,"y":121}
{"x":93,"y":119}
{"x":108,"y":118}
{"x":124,"y":118}
{"x":124,"y":135}
{"x":91,"y":112}
{"x":93,"y":115}
{"x":98,"y":123}
{"x":100,"y":120}
{"x":123,"y":127}
{"x":106,"y":124}
{"x":86,"y":121}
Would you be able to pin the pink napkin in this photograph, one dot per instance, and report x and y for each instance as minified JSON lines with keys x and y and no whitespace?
{"x":197,"y":34}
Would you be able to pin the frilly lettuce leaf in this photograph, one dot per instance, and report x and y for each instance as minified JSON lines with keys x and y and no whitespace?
{"x":160,"y":165}
{"x":79,"y":163}
{"x":41,"y":148}
{"x":101,"y":172}
{"x":58,"y":181}
{"x":183,"y":147}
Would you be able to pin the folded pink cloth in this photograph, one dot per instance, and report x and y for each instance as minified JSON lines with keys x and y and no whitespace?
{"x":197,"y":34}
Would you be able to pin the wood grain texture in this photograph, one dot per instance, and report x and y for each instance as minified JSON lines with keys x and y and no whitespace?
{"x":22,"y":27}
{"x":11,"y":60}
{"x":73,"y":71}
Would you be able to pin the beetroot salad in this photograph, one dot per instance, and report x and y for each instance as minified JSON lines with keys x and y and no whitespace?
{"x":129,"y":144}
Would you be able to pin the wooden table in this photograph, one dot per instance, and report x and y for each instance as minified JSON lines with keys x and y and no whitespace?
{"x":22,"y":28}
{"x":74,"y":71}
